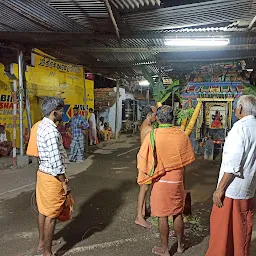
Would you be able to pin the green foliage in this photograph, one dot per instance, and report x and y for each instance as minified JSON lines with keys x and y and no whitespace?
{"x":249,"y":89}
{"x":184,"y":113}
{"x":160,"y":92}
{"x":193,"y":223}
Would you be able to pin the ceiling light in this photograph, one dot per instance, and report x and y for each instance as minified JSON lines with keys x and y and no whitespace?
{"x":144,"y":83}
{"x":197,"y":42}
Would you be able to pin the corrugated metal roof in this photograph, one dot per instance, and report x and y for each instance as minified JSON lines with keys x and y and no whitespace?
{"x":210,"y":12}
{"x":85,"y":8}
{"x":134,"y":4}
{"x":35,"y":15}
{"x":143,"y":24}
{"x":13,"y":20}
{"x":82,"y":11}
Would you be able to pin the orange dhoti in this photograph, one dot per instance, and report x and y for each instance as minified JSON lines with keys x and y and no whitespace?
{"x":231,"y":228}
{"x":49,"y":195}
{"x":167,"y":196}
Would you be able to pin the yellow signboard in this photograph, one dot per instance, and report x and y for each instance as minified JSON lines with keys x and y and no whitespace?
{"x":47,"y":77}
{"x":41,"y":60}
{"x":6,"y":105}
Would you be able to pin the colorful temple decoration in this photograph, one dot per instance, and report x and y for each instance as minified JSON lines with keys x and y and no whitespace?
{"x":216,"y":116}
{"x":212,"y":90}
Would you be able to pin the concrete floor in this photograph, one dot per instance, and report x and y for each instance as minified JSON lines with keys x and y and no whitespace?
{"x":105,"y":191}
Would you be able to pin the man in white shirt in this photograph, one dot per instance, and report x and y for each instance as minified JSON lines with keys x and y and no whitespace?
{"x":92,"y":128}
{"x":232,"y":213}
{"x":52,"y":186}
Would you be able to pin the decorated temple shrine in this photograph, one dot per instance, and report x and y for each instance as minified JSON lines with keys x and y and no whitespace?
{"x":216,"y":115}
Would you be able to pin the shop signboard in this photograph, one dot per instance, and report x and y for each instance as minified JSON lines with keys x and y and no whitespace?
{"x":46,"y":77}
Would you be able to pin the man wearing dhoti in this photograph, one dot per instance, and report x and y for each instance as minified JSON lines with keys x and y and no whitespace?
{"x":149,"y":113}
{"x":52,"y":186}
{"x":232,"y":212}
{"x":162,"y":158}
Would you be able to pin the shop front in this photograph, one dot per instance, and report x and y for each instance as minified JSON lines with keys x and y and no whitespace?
{"x":45,"y":77}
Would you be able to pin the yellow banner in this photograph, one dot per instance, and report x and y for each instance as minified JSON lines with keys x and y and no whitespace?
{"x":42,"y":60}
{"x":48,"y":77}
{"x":6,"y":106}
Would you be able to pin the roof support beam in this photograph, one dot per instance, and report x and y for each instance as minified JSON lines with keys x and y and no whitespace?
{"x":12,"y":35}
{"x":252,"y":23}
{"x":108,"y":6}
{"x":169,"y":62}
{"x":166,"y":49}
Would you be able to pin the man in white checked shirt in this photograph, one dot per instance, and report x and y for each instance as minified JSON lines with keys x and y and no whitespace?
{"x":52,"y":186}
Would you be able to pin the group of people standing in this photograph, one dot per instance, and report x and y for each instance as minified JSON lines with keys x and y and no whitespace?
{"x":74,"y":133}
{"x":164,"y":153}
{"x":162,"y":158}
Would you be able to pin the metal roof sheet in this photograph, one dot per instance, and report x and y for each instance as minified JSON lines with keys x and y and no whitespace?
{"x":81,"y":11}
{"x":197,"y":14}
{"x":68,"y":28}
{"x":35,"y":15}
{"x":134,"y":4}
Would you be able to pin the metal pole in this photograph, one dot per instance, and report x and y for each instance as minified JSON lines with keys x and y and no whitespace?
{"x":117,"y":101}
{"x":86,"y":144}
{"x":173,"y":98}
{"x":20,"y":62}
{"x":27,"y":103}
{"x":14,"y":151}
{"x":133,"y":115}
{"x":147,"y":96}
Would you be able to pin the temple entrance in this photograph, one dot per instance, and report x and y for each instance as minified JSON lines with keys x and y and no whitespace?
{"x":214,"y":122}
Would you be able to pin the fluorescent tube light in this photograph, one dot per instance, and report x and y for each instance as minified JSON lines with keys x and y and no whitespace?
{"x":197,"y":42}
{"x":144,"y":83}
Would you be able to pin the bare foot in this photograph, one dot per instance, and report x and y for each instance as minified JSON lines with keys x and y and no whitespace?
{"x":181,"y":248}
{"x":48,"y":254}
{"x":40,"y":247}
{"x":160,"y":251}
{"x":143,"y":223}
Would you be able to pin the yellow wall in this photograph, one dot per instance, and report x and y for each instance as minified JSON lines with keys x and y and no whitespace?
{"x":47,"y":77}
{"x":6,"y":106}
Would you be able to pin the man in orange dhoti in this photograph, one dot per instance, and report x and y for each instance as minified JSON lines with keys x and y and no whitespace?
{"x":162,"y":158}
{"x":232,"y":212}
{"x":52,"y":187}
{"x":149,"y":114}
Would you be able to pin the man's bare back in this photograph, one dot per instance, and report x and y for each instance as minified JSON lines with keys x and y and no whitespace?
{"x":146,"y":128}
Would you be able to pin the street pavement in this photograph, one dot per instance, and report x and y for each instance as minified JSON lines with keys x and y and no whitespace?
{"x":105,"y":192}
